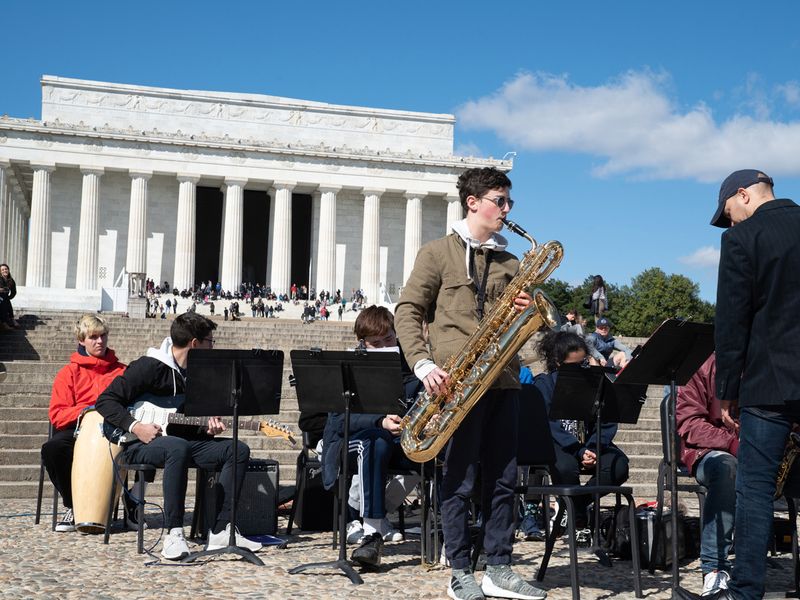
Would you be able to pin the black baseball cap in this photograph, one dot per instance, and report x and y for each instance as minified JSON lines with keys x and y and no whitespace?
{"x":738,"y":179}
{"x":603,"y":322}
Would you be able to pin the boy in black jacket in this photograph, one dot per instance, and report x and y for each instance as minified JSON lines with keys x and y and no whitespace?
{"x":158,"y":376}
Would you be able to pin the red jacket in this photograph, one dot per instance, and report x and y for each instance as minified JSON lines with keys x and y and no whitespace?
{"x":699,"y":417}
{"x":78,"y":385}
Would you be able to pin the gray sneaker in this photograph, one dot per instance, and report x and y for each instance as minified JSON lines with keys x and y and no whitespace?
{"x":463,"y":586}
{"x":501,"y":582}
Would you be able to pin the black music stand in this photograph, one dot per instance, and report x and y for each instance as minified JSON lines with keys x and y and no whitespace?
{"x":670,"y":357}
{"x":346,"y":382}
{"x":590,"y":393}
{"x":233,"y":383}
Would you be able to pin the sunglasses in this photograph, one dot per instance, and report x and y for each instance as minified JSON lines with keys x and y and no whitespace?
{"x":501,"y":202}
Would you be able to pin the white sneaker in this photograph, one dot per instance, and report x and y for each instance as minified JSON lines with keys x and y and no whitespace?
{"x":67,"y":523}
{"x":174,"y":546}
{"x":443,"y":560}
{"x":392,"y":534}
{"x":715,"y":581}
{"x":355,"y":532}
{"x":220,"y":540}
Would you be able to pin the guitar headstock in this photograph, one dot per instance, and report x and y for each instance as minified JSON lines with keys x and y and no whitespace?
{"x":272,"y":428}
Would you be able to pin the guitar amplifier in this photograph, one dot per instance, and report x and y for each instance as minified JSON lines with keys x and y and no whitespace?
{"x":257,"y":511}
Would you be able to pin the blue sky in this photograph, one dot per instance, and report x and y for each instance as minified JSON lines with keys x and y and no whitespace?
{"x":624,"y":116}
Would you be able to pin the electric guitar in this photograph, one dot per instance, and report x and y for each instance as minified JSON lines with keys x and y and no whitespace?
{"x":165,"y":412}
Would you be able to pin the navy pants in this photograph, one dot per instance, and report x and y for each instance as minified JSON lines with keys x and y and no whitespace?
{"x":567,"y":471}
{"x":487,"y":436}
{"x":176,"y":456}
{"x":374,"y":451}
{"x":762,"y":438}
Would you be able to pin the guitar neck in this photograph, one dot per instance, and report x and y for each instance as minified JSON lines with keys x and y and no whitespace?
{"x":179,"y":419}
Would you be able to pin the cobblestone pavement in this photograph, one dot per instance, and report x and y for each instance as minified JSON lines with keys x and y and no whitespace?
{"x":37,"y":563}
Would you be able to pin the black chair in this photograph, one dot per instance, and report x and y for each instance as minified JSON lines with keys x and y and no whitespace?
{"x":42,"y":470}
{"x":536,"y":447}
{"x":144,"y":473}
{"x":685,"y":480}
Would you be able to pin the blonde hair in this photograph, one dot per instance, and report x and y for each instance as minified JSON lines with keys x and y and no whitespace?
{"x":90,"y":325}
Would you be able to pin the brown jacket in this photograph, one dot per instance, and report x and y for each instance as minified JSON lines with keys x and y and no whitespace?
{"x":440,"y":292}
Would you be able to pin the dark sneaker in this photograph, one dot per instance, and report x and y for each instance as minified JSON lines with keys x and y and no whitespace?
{"x":67,"y":523}
{"x":368,"y":554}
{"x":501,"y":582}
{"x":530,"y":528}
{"x":131,"y":520}
{"x":463,"y":586}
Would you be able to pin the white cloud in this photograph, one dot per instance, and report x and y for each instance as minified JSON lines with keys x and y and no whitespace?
{"x":706,"y":256}
{"x":635,"y":127}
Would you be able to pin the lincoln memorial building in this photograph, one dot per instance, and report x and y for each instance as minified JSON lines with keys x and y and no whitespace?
{"x":188,"y":186}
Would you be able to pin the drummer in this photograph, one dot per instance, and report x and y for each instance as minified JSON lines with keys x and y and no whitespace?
{"x":76,"y":386}
{"x":162,"y":374}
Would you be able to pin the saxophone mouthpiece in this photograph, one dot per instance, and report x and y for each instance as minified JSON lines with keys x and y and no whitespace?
{"x":514,"y":227}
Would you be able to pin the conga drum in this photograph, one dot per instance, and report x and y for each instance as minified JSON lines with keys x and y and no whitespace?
{"x":92,"y":474}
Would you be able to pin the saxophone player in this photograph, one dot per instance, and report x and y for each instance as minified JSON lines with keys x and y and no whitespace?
{"x":454,"y":282}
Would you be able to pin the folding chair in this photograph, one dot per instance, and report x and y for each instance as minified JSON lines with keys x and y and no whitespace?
{"x":42,"y":469}
{"x":686,"y":481}
{"x":536,"y":447}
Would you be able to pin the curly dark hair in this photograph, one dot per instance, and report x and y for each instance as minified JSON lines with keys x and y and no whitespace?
{"x":555,"y":346}
{"x":476,"y":182}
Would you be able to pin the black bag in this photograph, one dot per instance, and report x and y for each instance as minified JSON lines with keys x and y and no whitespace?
{"x":314,"y":507}
{"x":616,"y":530}
{"x":588,"y":303}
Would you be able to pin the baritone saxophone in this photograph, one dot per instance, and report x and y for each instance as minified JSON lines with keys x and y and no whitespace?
{"x":791,"y":452}
{"x":433,"y":419}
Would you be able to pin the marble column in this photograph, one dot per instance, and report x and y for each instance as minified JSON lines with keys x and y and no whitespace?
{"x":136,"y":259}
{"x":282,"y":238}
{"x":413,"y":239}
{"x":370,"y":246}
{"x":13,"y":240}
{"x":454,"y":212}
{"x":38,"y":270}
{"x":5,"y":211}
{"x":231,"y":276}
{"x":326,"y":240}
{"x":86,"y":275}
{"x":22,"y":249}
{"x":185,"y":234}
{"x":16,"y":235}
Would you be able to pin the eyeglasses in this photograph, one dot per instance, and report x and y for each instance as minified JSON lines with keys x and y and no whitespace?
{"x":211,"y":341}
{"x":501,"y":202}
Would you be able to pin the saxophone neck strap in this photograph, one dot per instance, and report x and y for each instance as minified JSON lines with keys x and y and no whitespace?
{"x":480,"y":297}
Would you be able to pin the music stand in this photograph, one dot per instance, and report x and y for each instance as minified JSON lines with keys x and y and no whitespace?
{"x":346,"y":382}
{"x":590,"y":393}
{"x":670,"y":357}
{"x":233,"y":383}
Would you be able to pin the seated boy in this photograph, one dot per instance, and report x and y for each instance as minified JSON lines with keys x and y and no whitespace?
{"x":374,"y":444}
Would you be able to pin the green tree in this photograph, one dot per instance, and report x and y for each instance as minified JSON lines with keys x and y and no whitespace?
{"x":654,"y":296}
{"x":559,"y":292}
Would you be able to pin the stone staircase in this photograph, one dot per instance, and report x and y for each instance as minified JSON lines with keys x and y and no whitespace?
{"x":33,"y":355}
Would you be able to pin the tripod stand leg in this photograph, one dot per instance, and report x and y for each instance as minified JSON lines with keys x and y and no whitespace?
{"x":342,"y":565}
{"x":241,"y":552}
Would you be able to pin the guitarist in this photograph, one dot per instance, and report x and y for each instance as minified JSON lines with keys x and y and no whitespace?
{"x":161,"y":373}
